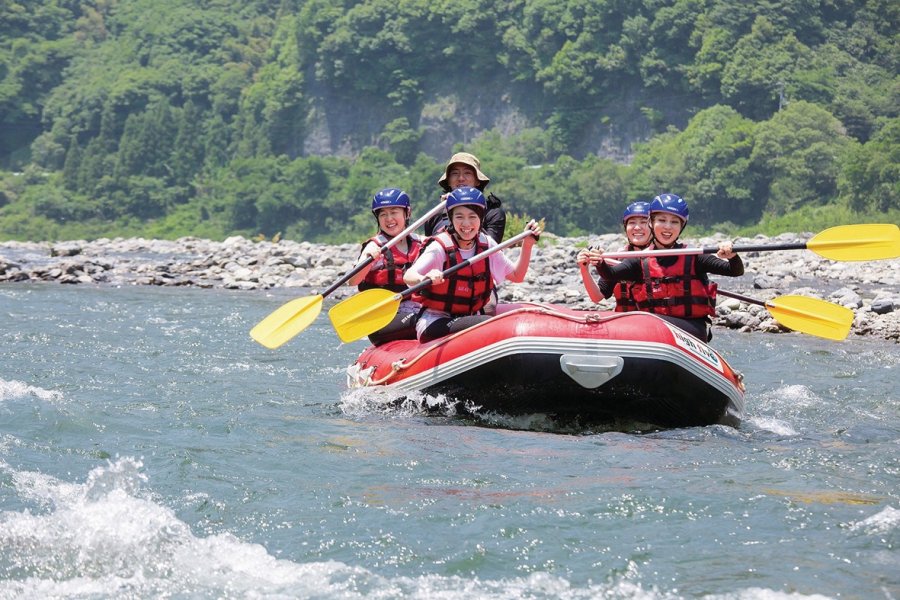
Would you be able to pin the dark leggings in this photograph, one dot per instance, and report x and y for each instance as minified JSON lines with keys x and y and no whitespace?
{"x":699,"y":328}
{"x":403,"y":327}
{"x":449,"y":325}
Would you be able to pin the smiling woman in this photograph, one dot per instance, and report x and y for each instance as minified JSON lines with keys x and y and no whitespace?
{"x":290,"y":319}
{"x":384,"y":267}
{"x":636,"y":223}
{"x":457,"y":302}
{"x":675,"y":288}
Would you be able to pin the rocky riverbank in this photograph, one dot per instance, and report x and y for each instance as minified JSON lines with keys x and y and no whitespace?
{"x":870,"y":288}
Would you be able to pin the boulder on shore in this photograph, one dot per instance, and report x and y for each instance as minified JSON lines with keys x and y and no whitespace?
{"x":870,"y":288}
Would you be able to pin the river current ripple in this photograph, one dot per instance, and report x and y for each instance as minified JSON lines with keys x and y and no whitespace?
{"x":149,"y":448}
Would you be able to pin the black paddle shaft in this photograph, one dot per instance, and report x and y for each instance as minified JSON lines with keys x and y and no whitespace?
{"x":346,"y":276}
{"x":741,"y":297}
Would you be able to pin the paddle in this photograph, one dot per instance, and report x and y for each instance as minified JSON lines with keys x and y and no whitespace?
{"x":369,"y":311}
{"x":844,"y":242}
{"x":800,"y":313}
{"x":295,"y":316}
{"x":807,"y":315}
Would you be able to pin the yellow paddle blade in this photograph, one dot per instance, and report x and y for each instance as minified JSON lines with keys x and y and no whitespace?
{"x":364,"y":313}
{"x":858,"y":242}
{"x":287,"y":321}
{"x":811,"y":315}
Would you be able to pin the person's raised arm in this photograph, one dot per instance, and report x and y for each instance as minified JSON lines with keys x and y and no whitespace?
{"x":628,"y":269}
{"x":725,"y":262}
{"x":521,"y":268}
{"x":585,"y":259}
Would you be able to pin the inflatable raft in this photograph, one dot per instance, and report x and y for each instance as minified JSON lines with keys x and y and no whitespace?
{"x":589,"y":366}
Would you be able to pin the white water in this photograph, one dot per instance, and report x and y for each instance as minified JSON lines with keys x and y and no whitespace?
{"x":148,"y":449}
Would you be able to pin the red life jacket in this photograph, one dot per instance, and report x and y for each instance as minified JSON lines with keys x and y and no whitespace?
{"x":676,"y":291}
{"x":389,"y":272}
{"x":464,"y":292}
{"x":622,"y":290}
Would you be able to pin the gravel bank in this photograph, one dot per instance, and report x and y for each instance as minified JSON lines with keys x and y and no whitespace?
{"x":870,"y":288}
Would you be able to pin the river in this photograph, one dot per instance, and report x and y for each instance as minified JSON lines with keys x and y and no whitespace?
{"x":149,"y":448}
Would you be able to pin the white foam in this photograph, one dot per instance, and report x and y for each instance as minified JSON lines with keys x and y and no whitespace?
{"x":771,"y":424}
{"x":107,"y":537}
{"x":785,"y":401}
{"x":386,"y":400}
{"x":798,"y":395}
{"x":880,"y":523}
{"x":10,"y":390}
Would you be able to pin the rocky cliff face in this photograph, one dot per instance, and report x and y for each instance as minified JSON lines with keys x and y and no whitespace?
{"x":343,"y":126}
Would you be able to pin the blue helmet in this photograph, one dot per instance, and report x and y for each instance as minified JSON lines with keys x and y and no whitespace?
{"x":636,"y":209}
{"x":467,"y":196}
{"x":389,"y":197}
{"x":672,"y":204}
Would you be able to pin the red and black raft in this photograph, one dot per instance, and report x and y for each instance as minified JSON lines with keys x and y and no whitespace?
{"x":589,"y":366}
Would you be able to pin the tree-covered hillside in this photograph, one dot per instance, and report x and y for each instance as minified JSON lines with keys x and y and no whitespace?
{"x":212,"y":117}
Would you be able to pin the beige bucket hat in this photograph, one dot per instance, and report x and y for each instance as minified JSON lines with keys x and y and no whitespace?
{"x":466,"y":159}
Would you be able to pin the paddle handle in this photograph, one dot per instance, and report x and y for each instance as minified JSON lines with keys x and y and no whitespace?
{"x":740,"y":297}
{"x":386,"y":248}
{"x":478,"y":257}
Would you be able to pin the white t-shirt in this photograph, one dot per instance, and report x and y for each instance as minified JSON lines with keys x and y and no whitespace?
{"x":433,"y":257}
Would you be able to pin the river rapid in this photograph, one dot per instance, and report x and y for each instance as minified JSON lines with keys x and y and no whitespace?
{"x":149,"y":448}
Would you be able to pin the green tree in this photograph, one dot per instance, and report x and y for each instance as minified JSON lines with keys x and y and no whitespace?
{"x":276,"y":98}
{"x":372,"y":171}
{"x":95,"y":164}
{"x":142,"y":197}
{"x":762,"y":67}
{"x":216,"y":141}
{"x":798,"y":153}
{"x":35,"y":49}
{"x":147,"y":142}
{"x":401,"y":139}
{"x":187,"y":152}
{"x":716,"y":147}
{"x":601,"y":186}
{"x":59,"y":205}
{"x":870,"y":178}
{"x":72,"y":164}
{"x":669,"y":48}
{"x":658,"y":166}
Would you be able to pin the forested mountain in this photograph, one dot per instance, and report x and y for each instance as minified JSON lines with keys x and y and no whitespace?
{"x":213,"y":117}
